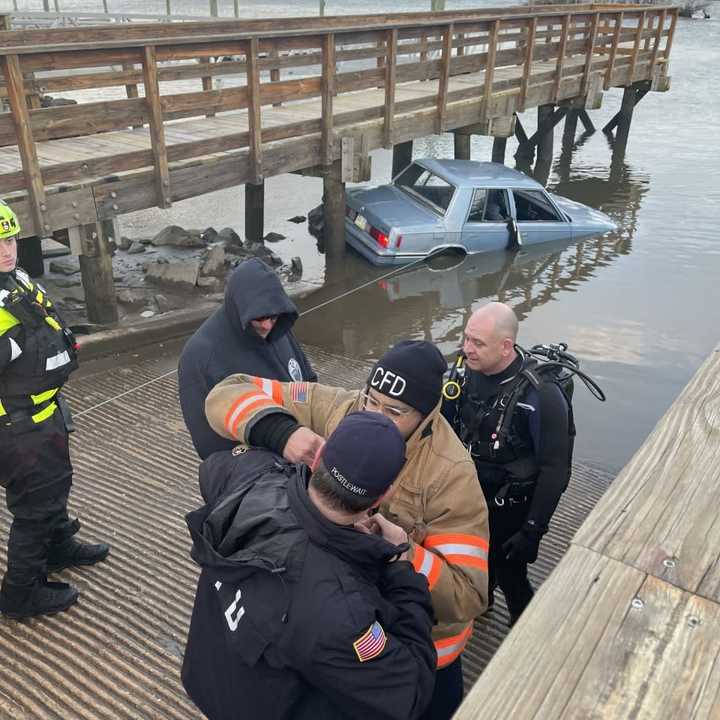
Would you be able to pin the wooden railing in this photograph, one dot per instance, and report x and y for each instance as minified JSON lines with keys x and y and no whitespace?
{"x":528,"y":58}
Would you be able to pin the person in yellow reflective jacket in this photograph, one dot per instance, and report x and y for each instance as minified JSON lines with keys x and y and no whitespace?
{"x":37,"y":355}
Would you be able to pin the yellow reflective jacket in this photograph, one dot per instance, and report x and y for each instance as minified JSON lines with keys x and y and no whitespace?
{"x":437,"y":498}
{"x":37,"y":353}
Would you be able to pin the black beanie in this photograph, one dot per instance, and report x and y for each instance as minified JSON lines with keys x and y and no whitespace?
{"x":412,"y":371}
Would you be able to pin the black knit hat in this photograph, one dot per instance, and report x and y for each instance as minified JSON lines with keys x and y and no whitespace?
{"x":412,"y":371}
{"x":364,"y":454}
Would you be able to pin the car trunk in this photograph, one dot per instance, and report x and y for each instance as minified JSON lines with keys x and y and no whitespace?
{"x":387,"y":207}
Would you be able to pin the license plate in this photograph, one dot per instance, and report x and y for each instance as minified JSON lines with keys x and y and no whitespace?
{"x":361,"y":222}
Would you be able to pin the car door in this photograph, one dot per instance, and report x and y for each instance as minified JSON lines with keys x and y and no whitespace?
{"x":538,"y":219}
{"x":486,"y":223}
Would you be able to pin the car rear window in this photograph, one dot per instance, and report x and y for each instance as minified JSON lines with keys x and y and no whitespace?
{"x":426,"y":186}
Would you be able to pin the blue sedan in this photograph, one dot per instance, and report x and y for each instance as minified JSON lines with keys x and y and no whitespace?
{"x":472,"y":206}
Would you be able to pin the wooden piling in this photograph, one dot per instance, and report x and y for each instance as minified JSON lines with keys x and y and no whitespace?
{"x":545,"y":132}
{"x":334,"y":211}
{"x":498,"y":149}
{"x":255,"y":212}
{"x":97,"y":272}
{"x":624,"y":120}
{"x":462,"y":146}
{"x":570,"y":129}
{"x":402,"y":156}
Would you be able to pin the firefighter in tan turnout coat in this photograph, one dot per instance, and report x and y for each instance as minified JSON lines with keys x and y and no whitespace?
{"x":437,"y":499}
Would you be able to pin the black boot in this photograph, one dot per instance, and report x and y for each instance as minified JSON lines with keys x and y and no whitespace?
{"x":40,"y":598}
{"x":71,"y":552}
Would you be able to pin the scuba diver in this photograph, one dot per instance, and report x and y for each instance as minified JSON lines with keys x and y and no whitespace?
{"x":513,"y":412}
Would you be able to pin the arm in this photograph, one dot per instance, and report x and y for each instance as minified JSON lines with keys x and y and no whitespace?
{"x":12,"y":339}
{"x":235,"y":405}
{"x":549,"y":430}
{"x":397,"y":682}
{"x":454,"y":553}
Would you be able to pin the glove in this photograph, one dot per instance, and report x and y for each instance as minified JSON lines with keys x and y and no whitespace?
{"x":523,"y":545}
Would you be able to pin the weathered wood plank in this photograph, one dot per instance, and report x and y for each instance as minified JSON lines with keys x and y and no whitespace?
{"x":532,"y":26}
{"x":561,"y":56}
{"x":254,"y":116}
{"x":657,"y":518}
{"x":328,"y":94}
{"x":390,"y":69}
{"x":25,"y":141}
{"x":444,"y":78}
{"x":490,"y":68}
{"x":636,"y":47}
{"x":157,"y":128}
{"x":613,"y":52}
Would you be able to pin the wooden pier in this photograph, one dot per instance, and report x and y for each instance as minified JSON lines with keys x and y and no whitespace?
{"x":628,"y":624}
{"x":152,"y":127}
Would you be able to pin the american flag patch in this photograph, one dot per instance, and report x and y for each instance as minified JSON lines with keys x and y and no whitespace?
{"x":371,"y":643}
{"x":299,"y":392}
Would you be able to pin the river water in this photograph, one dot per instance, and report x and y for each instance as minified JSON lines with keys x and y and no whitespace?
{"x":640,"y":307}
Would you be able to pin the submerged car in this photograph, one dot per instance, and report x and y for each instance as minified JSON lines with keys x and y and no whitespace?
{"x":472,"y":206}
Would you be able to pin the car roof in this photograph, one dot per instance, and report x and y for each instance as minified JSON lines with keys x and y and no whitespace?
{"x":469,"y":173}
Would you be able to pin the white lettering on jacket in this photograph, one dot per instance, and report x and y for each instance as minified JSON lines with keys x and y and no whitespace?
{"x":387,"y":382}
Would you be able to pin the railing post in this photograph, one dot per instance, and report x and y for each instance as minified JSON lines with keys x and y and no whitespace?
{"x":328,"y":93}
{"x":390,"y":66}
{"x":490,"y":68}
{"x":5,"y":21}
{"x":589,"y":55}
{"x":671,"y":33}
{"x":528,"y":64}
{"x":561,"y":58}
{"x":444,"y":79}
{"x":613,"y":50}
{"x":254,"y":110}
{"x":26,"y":145}
{"x":157,"y":128}
{"x":214,"y":8}
{"x":275,"y":71}
{"x":636,"y":47}
{"x":656,"y":47}
{"x":207,"y":82}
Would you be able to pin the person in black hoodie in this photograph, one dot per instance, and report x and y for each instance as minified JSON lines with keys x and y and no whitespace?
{"x":250,"y":333}
{"x":306,"y":606}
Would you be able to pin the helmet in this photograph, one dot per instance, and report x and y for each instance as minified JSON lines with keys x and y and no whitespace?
{"x":9,"y":224}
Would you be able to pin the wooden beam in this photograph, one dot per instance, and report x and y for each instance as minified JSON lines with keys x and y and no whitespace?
{"x":25,"y":142}
{"x":328,"y":93}
{"x":671,"y":34}
{"x":532,"y":26}
{"x":390,"y":67}
{"x":613,"y":50}
{"x":207,"y":82}
{"x":589,"y":55}
{"x":636,"y":47}
{"x":157,"y":127}
{"x":656,"y":46}
{"x":254,"y":111}
{"x":444,"y":79}
{"x":561,"y":57}
{"x":490,"y":68}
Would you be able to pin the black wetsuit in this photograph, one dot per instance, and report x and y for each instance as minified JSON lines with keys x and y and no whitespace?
{"x":226,"y":343}
{"x":523,"y":480}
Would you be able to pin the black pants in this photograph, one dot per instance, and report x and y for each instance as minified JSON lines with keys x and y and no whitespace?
{"x":36,"y":472}
{"x":509,"y":575}
{"x":448,"y":693}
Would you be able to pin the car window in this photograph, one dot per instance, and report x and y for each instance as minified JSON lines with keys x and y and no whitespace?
{"x":488,"y":206}
{"x":426,"y":186}
{"x":534,"y":206}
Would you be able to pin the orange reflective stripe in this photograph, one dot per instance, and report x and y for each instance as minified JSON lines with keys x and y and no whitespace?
{"x":270,"y":387}
{"x":449,"y":648}
{"x":469,"y":550}
{"x":242,"y":407}
{"x":428,"y":564}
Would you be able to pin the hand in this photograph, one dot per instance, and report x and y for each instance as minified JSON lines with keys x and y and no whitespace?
{"x":522,"y":546}
{"x":378,"y":525}
{"x":302,"y":446}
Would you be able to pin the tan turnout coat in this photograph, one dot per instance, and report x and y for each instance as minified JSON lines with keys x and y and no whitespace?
{"x":437,"y":497}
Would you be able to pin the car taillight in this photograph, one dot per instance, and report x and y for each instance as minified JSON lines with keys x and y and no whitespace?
{"x":380,"y":238}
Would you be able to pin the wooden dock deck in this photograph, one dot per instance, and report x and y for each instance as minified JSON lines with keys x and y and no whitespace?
{"x":153,"y":126}
{"x":628,"y":625}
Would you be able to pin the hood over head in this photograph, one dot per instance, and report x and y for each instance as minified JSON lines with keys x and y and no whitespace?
{"x":253,"y":291}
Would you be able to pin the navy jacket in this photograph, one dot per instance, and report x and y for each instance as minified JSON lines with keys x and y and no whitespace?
{"x":226,"y":343}
{"x":284,"y":598}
